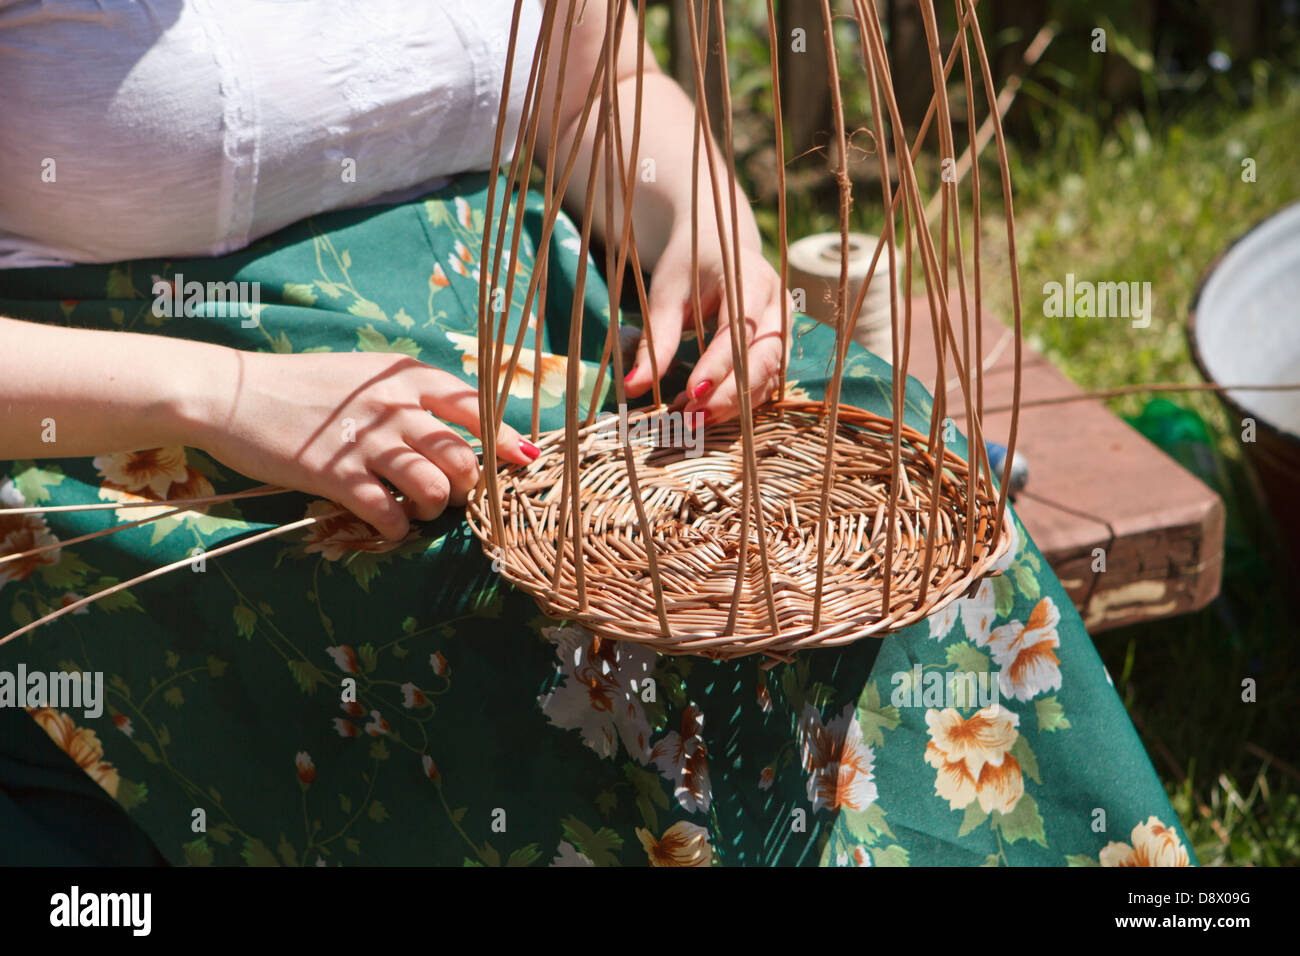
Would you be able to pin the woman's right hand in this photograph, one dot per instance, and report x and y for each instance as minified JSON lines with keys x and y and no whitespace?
{"x":334,"y":424}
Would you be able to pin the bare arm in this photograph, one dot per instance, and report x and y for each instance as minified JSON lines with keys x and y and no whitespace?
{"x":667,"y":134}
{"x":96,"y":392}
{"x":326,"y":424}
{"x":662,"y":211}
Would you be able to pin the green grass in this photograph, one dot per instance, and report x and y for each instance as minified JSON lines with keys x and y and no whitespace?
{"x":1112,"y":194}
{"x":1158,"y":203}
{"x":1144,"y":205}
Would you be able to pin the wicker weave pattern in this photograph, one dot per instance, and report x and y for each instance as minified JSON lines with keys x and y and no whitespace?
{"x":695,"y":515}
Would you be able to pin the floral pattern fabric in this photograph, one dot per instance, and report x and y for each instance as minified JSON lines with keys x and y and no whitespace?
{"x":322,"y":699}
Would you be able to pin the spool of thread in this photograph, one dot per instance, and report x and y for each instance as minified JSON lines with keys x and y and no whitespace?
{"x":814,"y":263}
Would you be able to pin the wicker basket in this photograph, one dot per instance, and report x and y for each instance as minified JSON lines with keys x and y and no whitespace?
{"x":772,"y":538}
{"x":698,"y":525}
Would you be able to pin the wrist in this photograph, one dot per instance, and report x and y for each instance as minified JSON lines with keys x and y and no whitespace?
{"x":708,"y":220}
{"x":199,"y":402}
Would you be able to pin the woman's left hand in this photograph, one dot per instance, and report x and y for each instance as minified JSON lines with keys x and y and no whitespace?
{"x":712,"y":386}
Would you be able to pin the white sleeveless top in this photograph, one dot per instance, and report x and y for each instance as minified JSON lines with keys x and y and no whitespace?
{"x":157,"y":128}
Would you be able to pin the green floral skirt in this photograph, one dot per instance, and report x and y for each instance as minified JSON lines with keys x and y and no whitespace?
{"x":481,"y":732}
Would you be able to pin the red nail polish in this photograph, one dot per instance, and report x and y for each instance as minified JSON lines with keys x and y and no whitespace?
{"x":699,"y":391}
{"x":627,"y":379}
{"x":530,"y":450}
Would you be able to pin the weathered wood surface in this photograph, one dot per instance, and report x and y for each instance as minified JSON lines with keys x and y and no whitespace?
{"x":1094,"y":482}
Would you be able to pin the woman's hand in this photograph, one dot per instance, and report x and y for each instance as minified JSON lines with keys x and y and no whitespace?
{"x":328,"y":424}
{"x":712,"y":386}
{"x":335,"y":424}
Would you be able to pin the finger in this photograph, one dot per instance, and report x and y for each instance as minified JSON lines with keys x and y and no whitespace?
{"x":768,"y":349}
{"x":669,"y":300}
{"x":450,"y":454}
{"x":715,"y":365}
{"x":764,"y":364}
{"x":369,"y":500}
{"x":454,"y":401}
{"x":426,"y":489}
{"x":764,"y":361}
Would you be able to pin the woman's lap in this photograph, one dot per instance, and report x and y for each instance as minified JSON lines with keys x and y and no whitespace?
{"x":483,"y":732}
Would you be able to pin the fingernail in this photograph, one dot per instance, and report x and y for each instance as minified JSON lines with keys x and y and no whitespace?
{"x":699,"y":391}
{"x":627,"y":379}
{"x":530,"y":450}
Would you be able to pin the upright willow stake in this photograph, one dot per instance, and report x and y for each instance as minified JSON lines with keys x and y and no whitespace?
{"x":899,"y":375}
{"x":990,"y":93}
{"x":611,"y":174}
{"x":843,"y":324}
{"x":779,"y":129}
{"x":487,"y":413}
{"x":734,"y":299}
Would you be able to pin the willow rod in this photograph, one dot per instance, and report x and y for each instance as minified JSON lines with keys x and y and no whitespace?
{"x":842,"y":325}
{"x":615,"y":312}
{"x":158,"y":572}
{"x":1152,"y":387}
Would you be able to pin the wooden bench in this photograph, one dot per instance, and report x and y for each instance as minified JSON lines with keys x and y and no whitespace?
{"x":1094,"y":482}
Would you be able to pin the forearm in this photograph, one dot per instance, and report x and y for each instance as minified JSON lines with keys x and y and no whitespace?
{"x":662,"y":176}
{"x":662,"y":197}
{"x":76,"y":392}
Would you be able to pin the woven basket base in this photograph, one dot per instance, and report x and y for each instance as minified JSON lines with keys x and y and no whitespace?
{"x":693,"y":502}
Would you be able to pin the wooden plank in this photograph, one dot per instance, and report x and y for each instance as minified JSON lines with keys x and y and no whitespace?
{"x":1095,"y":483}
